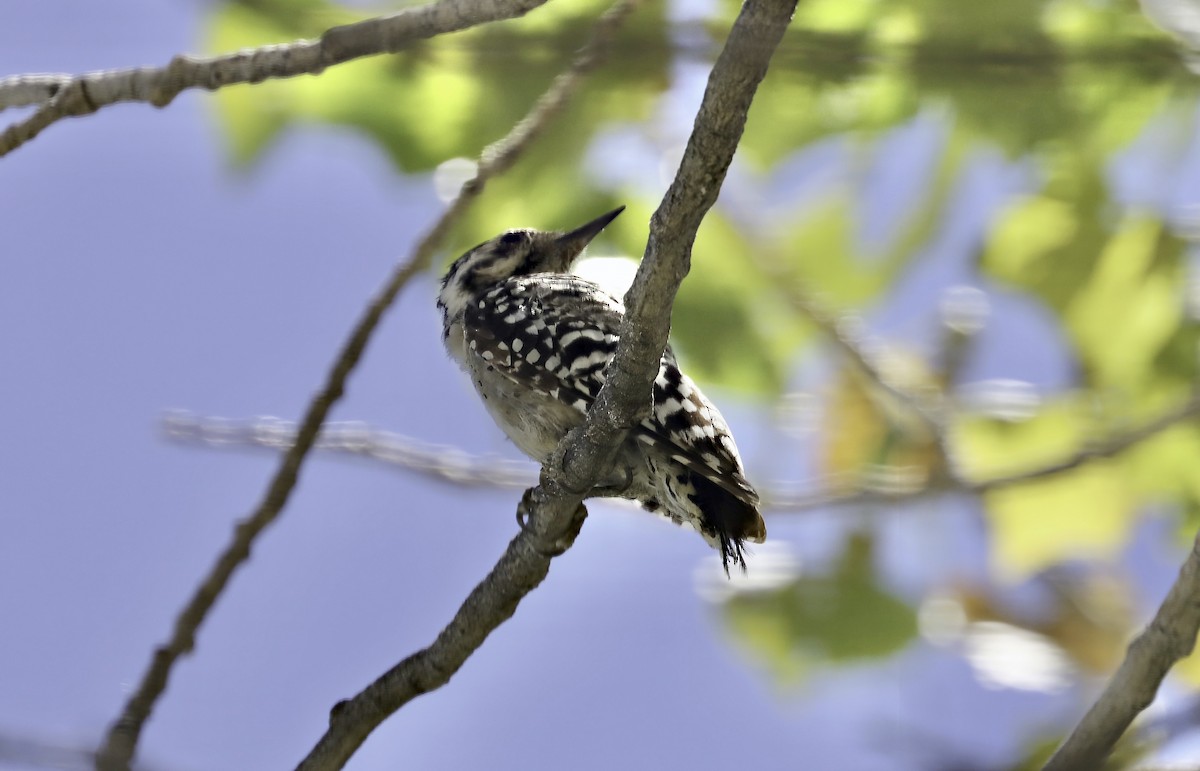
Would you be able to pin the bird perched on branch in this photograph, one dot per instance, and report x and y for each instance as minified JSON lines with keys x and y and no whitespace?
{"x":536,"y":342}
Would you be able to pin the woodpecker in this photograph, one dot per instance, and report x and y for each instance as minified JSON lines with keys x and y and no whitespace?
{"x":536,"y":342}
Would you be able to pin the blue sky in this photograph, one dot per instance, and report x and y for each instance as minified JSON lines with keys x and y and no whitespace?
{"x":140,"y":274}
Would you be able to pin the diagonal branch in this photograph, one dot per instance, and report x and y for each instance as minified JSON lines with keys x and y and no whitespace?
{"x":18,"y":750}
{"x":64,"y":96}
{"x":587,"y":453}
{"x":1170,"y":637}
{"x":121,"y":740}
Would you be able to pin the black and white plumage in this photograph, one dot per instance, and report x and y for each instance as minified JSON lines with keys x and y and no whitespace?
{"x":536,"y":342}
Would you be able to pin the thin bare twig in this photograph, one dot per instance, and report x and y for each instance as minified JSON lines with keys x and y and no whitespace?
{"x":85,"y":94}
{"x":22,"y":90}
{"x":1107,"y":449}
{"x":443,"y":463}
{"x":121,"y":741}
{"x":587,"y":453}
{"x":456,"y":466}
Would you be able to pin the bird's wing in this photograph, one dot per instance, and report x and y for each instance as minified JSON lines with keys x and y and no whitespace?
{"x":554,"y":334}
{"x":688,"y":427}
{"x":557,"y":333}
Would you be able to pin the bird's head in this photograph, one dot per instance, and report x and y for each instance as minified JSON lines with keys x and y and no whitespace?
{"x":515,"y":253}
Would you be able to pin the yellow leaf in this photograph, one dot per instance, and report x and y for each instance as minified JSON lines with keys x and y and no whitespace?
{"x":1028,"y":231}
{"x":867,"y":436}
{"x":1080,"y":514}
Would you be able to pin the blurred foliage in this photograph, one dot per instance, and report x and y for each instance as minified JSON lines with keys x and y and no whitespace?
{"x":1076,"y":79}
{"x":840,"y":617}
{"x":869,"y":441}
{"x":1087,"y":615}
{"x":443,"y":98}
{"x":1080,"y":513}
{"x":1062,"y":91}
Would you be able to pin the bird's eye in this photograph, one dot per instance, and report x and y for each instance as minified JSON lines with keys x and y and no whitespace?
{"x":512,"y":239}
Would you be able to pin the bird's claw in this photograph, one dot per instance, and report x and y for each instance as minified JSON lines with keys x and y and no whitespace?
{"x":618,"y":489}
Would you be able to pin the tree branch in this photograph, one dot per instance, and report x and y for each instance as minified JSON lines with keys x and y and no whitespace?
{"x":1187,"y":410}
{"x":121,"y":740}
{"x":456,"y":466}
{"x":443,"y":463}
{"x":587,"y":452}
{"x":22,"y":90}
{"x":28,"y":752}
{"x":64,"y":96}
{"x":1170,"y":637}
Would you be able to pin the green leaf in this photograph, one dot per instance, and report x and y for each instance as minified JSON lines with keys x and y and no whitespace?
{"x":729,"y":325}
{"x":1137,"y":273}
{"x":447,"y":97}
{"x":1118,"y":285}
{"x":845,"y":617}
{"x":1083,"y":513}
{"x":820,"y":252}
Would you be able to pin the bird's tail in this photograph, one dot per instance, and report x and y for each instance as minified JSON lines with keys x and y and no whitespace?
{"x":732,"y":520}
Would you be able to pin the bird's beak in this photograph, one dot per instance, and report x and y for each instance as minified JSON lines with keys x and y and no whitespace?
{"x":570,"y":244}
